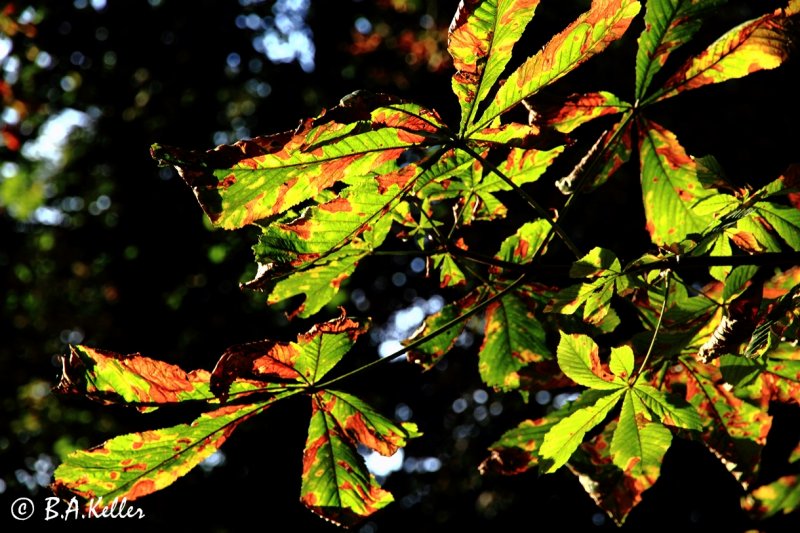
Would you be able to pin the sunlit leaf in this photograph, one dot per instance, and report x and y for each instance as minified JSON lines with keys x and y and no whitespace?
{"x":590,"y":34}
{"x":780,"y":496}
{"x":615,"y":491}
{"x":110,"y":378}
{"x":431,"y":351}
{"x":670,"y":186}
{"x":639,"y":444}
{"x":305,"y":361}
{"x":669,"y":24}
{"x":513,"y":338}
{"x":733,"y":429}
{"x":578,"y":109}
{"x":480,"y":40}
{"x":336,"y":483}
{"x":135,"y":465}
{"x":760,"y":44}
{"x":579,"y":360}
{"x":366,"y":137}
{"x":563,"y":438}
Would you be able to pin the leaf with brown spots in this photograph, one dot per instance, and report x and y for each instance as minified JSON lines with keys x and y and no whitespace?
{"x":135,"y":465}
{"x":336,"y":483}
{"x":759,"y":44}
{"x":111,"y":378}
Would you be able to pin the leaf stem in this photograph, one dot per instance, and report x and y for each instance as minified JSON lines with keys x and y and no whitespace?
{"x":525,"y":196}
{"x":512,"y":286}
{"x":667,"y":279}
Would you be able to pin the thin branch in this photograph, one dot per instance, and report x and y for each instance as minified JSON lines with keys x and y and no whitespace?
{"x":635,"y":376}
{"x":410,"y":346}
{"x":527,"y":197}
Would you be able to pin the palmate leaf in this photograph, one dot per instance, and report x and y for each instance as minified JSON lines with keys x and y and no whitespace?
{"x":638,"y":444}
{"x":590,"y":34}
{"x":670,"y":186}
{"x":264,"y":177}
{"x":760,"y":44}
{"x":138,"y":464}
{"x":480,"y":40}
{"x":336,"y":483}
{"x":668,"y":25}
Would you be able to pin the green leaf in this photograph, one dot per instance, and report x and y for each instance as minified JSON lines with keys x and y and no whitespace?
{"x":590,"y":34}
{"x":525,"y":244}
{"x":517,"y":450}
{"x":305,"y":361}
{"x":670,"y":186}
{"x":760,"y":44}
{"x":784,"y":220}
{"x":363,"y":425}
{"x":138,"y":464}
{"x":336,"y":483}
{"x":669,"y":409}
{"x":480,"y":40}
{"x":513,"y":338}
{"x":615,"y":491}
{"x":639,"y":445}
{"x":365,"y":137}
{"x":563,"y":438}
{"x":450,"y":275}
{"x":780,"y":496}
{"x":579,"y":360}
{"x":732,"y":428}
{"x":431,"y":351}
{"x":621,"y":362}
{"x":110,"y":378}
{"x":578,"y":109}
{"x":669,"y":24}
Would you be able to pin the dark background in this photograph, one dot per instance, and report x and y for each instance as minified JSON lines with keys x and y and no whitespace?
{"x":122,"y":258}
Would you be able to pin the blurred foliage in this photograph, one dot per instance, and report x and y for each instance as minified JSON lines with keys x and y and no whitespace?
{"x":88,"y":86}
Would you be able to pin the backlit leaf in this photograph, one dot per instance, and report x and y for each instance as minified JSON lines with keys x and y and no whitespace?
{"x":305,"y":361}
{"x":639,"y":444}
{"x":670,"y":186}
{"x":760,"y":44}
{"x":780,"y":496}
{"x":579,"y":360}
{"x":563,"y":438}
{"x":431,"y":351}
{"x":363,"y":425}
{"x":336,"y":483}
{"x":590,"y":34}
{"x":513,"y":338}
{"x":733,"y":429}
{"x":517,"y":450}
{"x":668,"y":25}
{"x":578,"y":109}
{"x":265,"y":176}
{"x":110,"y":378}
{"x":615,"y":491}
{"x":480,"y":40}
{"x":135,"y":465}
